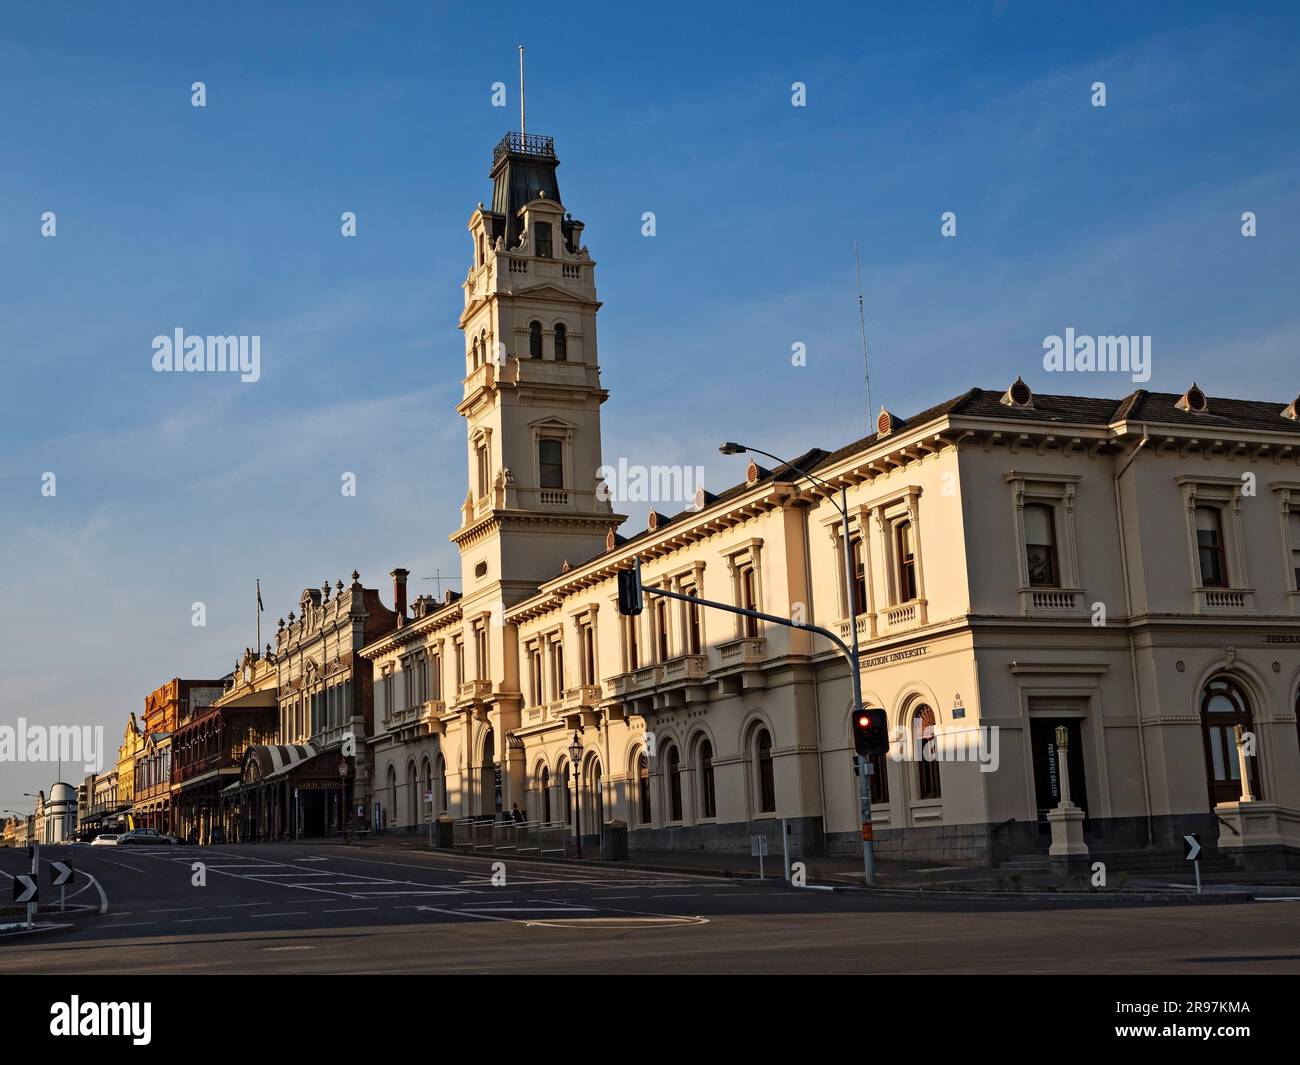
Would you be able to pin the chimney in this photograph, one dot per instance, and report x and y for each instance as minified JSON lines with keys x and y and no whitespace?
{"x":399,"y":591}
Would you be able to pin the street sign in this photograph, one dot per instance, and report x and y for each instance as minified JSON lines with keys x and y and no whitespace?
{"x":62,"y":873}
{"x":25,"y":889}
{"x":1191,"y":847}
{"x":758,"y":846}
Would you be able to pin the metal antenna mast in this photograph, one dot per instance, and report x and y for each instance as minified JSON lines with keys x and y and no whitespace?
{"x":522,"y":128}
{"x":862,"y":328}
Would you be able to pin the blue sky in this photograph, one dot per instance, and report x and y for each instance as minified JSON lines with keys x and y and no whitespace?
{"x":181,"y":488}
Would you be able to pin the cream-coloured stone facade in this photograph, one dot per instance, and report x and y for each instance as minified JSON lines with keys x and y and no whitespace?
{"x":1126,"y":569}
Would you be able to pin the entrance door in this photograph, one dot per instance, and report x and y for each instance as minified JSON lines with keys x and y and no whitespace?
{"x":1047,"y":776}
{"x":312,"y":811}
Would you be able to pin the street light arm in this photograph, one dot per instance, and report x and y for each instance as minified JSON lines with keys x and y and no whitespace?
{"x":802,"y":472}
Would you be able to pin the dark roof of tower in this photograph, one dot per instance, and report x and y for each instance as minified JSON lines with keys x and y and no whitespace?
{"x":523,"y":168}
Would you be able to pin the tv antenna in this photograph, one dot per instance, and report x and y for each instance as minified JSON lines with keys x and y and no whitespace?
{"x":862,"y":328}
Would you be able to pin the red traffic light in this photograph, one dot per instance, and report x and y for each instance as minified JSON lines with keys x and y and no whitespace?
{"x":870,"y":732}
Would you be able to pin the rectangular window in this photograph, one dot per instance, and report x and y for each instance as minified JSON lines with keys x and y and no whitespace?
{"x":481,"y":653}
{"x":1040,"y":546}
{"x":633,"y":649}
{"x":557,"y":670}
{"x":1209,"y":547}
{"x":661,"y":628}
{"x":694,"y":640}
{"x":906,"y":562}
{"x":550,"y":463}
{"x":482,"y":457}
{"x":544,"y":246}
{"x":857,"y":555}
{"x":1294,"y":520}
{"x":748,"y":600}
{"x":589,"y":654}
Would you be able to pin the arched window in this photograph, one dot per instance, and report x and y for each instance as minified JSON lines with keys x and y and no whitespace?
{"x":546,"y":794}
{"x":480,"y":249}
{"x":440,"y":784}
{"x":412,"y":797}
{"x":534,"y":340}
{"x":474,"y":360}
{"x":643,"y":786}
{"x":923,"y":750}
{"x":392,"y":795}
{"x":561,"y":343}
{"x":673,"y":763}
{"x":1224,"y":705}
{"x":427,"y":772}
{"x":708,"y":795}
{"x":566,"y":799}
{"x":766,"y":777}
{"x":597,"y":799}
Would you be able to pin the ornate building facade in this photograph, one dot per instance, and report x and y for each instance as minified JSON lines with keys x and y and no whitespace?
{"x":1127,"y":571}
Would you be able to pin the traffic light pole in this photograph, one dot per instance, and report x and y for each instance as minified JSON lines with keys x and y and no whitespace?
{"x":851,"y":653}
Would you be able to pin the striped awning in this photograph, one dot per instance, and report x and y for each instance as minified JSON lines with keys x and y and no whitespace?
{"x":276,"y":759}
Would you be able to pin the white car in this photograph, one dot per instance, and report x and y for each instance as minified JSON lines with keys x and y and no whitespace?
{"x":106,"y":839}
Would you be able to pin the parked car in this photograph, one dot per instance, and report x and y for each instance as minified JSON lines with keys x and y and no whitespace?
{"x":106,"y":839}
{"x":149,"y":836}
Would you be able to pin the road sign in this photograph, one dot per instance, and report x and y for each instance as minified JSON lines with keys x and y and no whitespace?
{"x":62,"y":873}
{"x":1191,"y":847}
{"x":758,"y":846}
{"x":25,"y":889}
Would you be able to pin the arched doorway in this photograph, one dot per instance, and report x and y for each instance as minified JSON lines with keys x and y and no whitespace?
{"x":412,"y":797}
{"x":1224,"y":705}
{"x":644,"y":816}
{"x":593,"y":801}
{"x":490,"y":794}
{"x":392,"y":795}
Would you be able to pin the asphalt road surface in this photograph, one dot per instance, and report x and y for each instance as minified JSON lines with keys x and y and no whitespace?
{"x":296,"y":908}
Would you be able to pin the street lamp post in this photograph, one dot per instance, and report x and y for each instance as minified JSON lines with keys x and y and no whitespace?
{"x":575,"y":753}
{"x":864,"y":767}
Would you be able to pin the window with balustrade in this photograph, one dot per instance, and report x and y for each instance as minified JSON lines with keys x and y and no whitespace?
{"x":550,"y":463}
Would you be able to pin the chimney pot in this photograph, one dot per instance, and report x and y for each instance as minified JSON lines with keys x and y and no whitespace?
{"x":399,"y":591}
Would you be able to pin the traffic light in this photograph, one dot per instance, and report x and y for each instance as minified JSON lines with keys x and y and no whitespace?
{"x":870,"y":732}
{"x":629,"y":591}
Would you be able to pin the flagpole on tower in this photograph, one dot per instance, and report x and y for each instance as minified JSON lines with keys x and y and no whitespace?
{"x":257,"y":647}
{"x":522,"y":127}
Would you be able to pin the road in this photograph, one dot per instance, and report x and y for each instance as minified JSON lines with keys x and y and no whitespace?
{"x":326,"y":908}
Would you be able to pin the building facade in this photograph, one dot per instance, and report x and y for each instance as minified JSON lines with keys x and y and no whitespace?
{"x":198,"y":756}
{"x":1126,"y":570}
{"x":325,"y":702}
